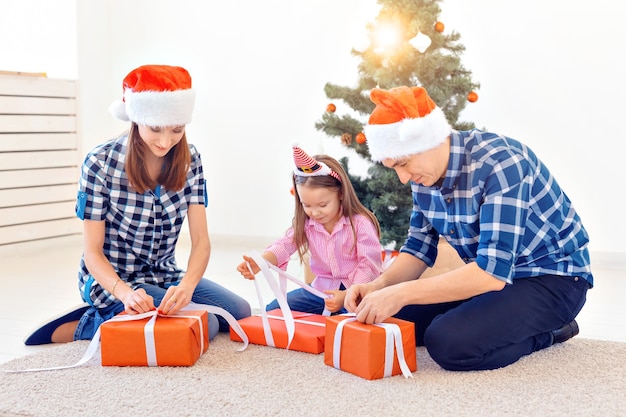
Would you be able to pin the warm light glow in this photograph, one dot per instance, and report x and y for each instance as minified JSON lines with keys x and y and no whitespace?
{"x":387,"y":37}
{"x":365,"y":12}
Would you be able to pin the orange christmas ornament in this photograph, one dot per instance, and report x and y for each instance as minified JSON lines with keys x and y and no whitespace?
{"x":331,"y":108}
{"x":439,"y":26}
{"x":360,"y":138}
{"x":472,"y":96}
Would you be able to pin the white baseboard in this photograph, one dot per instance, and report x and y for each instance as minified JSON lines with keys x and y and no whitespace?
{"x":615,"y":261}
{"x":34,"y":246}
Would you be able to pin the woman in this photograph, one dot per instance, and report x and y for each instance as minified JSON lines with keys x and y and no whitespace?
{"x":134,"y":194}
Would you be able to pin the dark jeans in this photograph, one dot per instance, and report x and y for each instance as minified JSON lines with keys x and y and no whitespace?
{"x":495,"y":329}
{"x":303,"y":301}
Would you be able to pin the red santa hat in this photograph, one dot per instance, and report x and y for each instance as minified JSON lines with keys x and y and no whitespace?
{"x":404,"y":122}
{"x":306,"y":166}
{"x":156,"y":95}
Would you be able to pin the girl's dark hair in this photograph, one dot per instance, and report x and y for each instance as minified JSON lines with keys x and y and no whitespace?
{"x":350,"y":202}
{"x":175,"y":166}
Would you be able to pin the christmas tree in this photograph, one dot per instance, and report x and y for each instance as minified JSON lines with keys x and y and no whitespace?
{"x":406,"y":45}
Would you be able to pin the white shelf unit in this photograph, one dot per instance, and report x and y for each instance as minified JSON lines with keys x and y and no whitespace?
{"x":38,"y":158}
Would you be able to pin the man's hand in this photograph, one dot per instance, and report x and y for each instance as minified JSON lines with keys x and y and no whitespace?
{"x":355,"y":294}
{"x":376,"y":306}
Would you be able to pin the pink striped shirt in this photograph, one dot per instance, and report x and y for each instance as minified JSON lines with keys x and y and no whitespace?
{"x":334,"y":258}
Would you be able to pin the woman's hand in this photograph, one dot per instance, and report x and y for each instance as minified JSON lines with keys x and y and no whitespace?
{"x":176,"y":297}
{"x":334,"y":303}
{"x":137,"y":301}
{"x":244,"y":268}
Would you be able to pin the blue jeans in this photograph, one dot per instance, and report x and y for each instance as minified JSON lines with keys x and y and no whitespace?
{"x":303,"y":301}
{"x":495,"y":329}
{"x":206,"y":292}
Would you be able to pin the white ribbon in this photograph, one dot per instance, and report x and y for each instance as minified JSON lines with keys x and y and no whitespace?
{"x":283,"y":285}
{"x":280,"y":292}
{"x":149,"y":334}
{"x":150,"y":340}
{"x":312,"y":323}
{"x":393,"y":335}
{"x":392,"y":331}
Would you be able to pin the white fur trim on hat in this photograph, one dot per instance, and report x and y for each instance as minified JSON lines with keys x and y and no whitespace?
{"x":118,"y":110}
{"x":408,"y":137}
{"x":155,"y":108}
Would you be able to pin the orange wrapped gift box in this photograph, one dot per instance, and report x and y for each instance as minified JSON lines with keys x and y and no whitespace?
{"x":177,"y":340}
{"x":308,"y":337}
{"x":365,"y":349}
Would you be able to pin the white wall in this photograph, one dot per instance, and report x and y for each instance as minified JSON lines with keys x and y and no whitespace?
{"x":549,"y":74}
{"x":259,"y":68}
{"x":39,"y":36}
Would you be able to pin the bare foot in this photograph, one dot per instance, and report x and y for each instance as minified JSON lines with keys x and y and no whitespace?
{"x":65,"y":332}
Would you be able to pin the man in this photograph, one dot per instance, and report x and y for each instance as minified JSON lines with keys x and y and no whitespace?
{"x":526,"y":271}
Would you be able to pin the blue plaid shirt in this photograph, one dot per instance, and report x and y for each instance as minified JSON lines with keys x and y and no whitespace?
{"x":141,"y":230}
{"x":500,"y":207}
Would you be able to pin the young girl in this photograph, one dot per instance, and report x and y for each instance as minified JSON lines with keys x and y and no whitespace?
{"x":341,"y":235}
{"x":134,"y":194}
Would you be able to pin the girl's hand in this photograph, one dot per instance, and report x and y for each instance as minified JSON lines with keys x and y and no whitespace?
{"x":137,"y":302}
{"x":334,"y":303}
{"x":244,"y":268}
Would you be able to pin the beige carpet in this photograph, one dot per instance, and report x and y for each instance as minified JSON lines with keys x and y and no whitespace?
{"x":581,"y":377}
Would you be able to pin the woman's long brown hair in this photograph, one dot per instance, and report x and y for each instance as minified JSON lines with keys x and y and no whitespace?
{"x":175,"y":165}
{"x":351,"y":204}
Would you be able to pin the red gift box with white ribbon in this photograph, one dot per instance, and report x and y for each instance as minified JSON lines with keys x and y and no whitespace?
{"x":308,"y":336}
{"x":282,"y":327}
{"x":157,"y":340}
{"x":371,"y":351}
{"x":140,"y":345}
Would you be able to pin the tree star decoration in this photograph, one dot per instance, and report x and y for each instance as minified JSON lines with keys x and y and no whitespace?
{"x":421,"y":42}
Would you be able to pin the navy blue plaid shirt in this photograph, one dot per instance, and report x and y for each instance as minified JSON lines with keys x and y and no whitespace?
{"x":500,"y":207}
{"x":141,"y":230}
